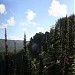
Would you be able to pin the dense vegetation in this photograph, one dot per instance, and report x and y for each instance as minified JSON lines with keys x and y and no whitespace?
{"x":52,"y":53}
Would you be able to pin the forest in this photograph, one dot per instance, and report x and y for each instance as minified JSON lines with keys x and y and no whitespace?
{"x":49,"y":53}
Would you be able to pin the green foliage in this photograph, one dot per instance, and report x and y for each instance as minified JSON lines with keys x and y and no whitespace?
{"x":49,"y":53}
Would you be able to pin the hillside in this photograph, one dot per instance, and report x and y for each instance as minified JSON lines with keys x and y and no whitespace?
{"x":19,"y":45}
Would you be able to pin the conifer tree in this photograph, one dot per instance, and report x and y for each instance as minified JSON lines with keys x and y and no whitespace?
{"x":55,"y":51}
{"x":6,"y":55}
{"x":65,"y":47}
{"x":26,"y":63}
{"x":71,"y":21}
{"x":8,"y":59}
{"x":14,"y":63}
{"x":57,"y":42}
{"x":41,"y":66}
{"x":50,"y":57}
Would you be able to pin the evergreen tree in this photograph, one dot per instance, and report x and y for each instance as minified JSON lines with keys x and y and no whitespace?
{"x":41,"y":66}
{"x":65,"y":47}
{"x":57,"y":42}
{"x":26,"y":62}
{"x":15,"y":63}
{"x":6,"y":55}
{"x":8,"y":59}
{"x":50,"y":56}
{"x":71,"y":44}
{"x":55,"y":51}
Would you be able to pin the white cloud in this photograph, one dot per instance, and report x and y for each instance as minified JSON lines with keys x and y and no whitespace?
{"x":14,"y":38}
{"x":30,"y":15}
{"x":2,"y":8}
{"x":9,"y":22}
{"x":40,"y":29}
{"x":58,"y":10}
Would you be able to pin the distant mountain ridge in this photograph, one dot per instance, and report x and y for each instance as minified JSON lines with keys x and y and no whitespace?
{"x":10,"y":43}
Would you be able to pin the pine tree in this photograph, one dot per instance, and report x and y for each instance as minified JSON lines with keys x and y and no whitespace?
{"x":57,"y":42}
{"x":65,"y":47}
{"x":55,"y":51}
{"x":41,"y":66}
{"x":6,"y":55}
{"x":15,"y":63}
{"x":26,"y":62}
{"x":50,"y":55}
{"x":71,"y":21}
{"x":8,"y":59}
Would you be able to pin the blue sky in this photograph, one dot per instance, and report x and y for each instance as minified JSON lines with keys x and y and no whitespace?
{"x":31,"y":16}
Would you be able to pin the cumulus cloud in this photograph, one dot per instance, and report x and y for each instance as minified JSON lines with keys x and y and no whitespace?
{"x":9,"y":22}
{"x":2,"y":8}
{"x":30,"y":15}
{"x":58,"y":10}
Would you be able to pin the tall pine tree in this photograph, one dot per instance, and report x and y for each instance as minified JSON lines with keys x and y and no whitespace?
{"x":6,"y":55}
{"x":26,"y":60}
